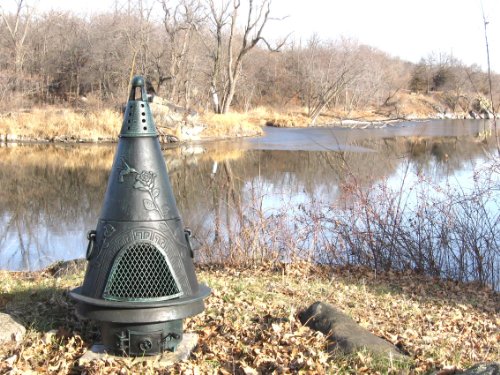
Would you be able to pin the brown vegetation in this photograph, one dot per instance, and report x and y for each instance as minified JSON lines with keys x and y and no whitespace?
{"x":193,"y":54}
{"x":231,"y":125}
{"x":250,"y":324}
{"x":58,"y":124}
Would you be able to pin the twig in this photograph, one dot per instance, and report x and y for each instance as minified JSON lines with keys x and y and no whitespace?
{"x":490,"y":86}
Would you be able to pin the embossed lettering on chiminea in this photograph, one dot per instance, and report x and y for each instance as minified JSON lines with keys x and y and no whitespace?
{"x":140,"y":282}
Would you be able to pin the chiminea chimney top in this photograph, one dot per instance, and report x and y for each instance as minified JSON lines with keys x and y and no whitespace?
{"x":138,"y":120}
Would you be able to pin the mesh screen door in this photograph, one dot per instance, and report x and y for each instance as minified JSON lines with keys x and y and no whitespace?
{"x":141,"y":273}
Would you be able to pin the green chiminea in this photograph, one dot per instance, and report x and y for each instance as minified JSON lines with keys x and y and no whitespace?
{"x":140,"y":282}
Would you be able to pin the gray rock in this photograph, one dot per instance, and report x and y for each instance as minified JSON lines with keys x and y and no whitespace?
{"x":11,"y":330}
{"x":345,"y":332}
{"x":175,"y":121}
{"x":490,"y":368}
{"x":68,"y":267}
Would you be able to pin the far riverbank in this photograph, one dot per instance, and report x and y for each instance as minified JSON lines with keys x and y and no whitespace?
{"x":66,"y":125}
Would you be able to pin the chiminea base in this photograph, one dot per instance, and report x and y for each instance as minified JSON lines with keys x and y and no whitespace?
{"x":141,"y":339}
{"x":163,"y":360}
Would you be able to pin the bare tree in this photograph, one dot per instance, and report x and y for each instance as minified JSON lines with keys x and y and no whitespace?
{"x":67,"y":62}
{"x":212,"y":53}
{"x":18,"y":27}
{"x":225,"y":73}
{"x":179,"y":22}
{"x":327,"y":70}
{"x":490,"y":85}
{"x":219,"y":17}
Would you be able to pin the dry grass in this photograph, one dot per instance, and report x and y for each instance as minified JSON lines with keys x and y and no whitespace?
{"x":62,"y":124}
{"x":298,"y":118}
{"x":250,"y":323}
{"x":418,"y":104}
{"x":403,"y":105}
{"x":230,"y":125}
{"x":291,"y":118}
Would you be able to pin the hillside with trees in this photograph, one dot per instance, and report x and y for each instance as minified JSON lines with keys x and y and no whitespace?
{"x":211,"y":56}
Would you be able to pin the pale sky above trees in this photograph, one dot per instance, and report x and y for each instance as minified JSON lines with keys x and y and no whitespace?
{"x":409,"y":29}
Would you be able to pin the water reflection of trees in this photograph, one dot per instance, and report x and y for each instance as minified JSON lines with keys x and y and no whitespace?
{"x":48,"y":189}
{"x":60,"y":188}
{"x":301,"y":171}
{"x":213,"y":206}
{"x":56,"y":183}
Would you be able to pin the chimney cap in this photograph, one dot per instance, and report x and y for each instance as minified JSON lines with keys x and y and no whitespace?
{"x":138,"y":120}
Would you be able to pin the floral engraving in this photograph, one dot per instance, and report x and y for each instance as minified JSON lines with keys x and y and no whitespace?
{"x":144,"y":181}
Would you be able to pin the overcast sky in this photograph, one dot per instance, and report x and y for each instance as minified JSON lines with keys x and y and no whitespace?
{"x":410,"y":29}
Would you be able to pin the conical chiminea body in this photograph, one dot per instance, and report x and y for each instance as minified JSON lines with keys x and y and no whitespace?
{"x":140,"y":281}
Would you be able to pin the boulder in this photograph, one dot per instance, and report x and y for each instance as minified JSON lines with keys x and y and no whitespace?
{"x":68,"y":267}
{"x":175,"y":121}
{"x":11,"y":330}
{"x":490,"y":368}
{"x":344,"y":332}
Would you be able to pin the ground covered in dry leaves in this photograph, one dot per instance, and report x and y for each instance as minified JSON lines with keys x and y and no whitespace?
{"x":250,"y":324}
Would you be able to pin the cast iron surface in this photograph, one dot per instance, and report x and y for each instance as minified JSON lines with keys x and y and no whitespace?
{"x":167,"y":238}
{"x":138,"y":120}
{"x":203,"y":292}
{"x":140,"y":315}
{"x":140,"y":281}
{"x":141,"y":339}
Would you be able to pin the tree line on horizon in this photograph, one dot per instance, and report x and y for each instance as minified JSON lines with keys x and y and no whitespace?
{"x":206,"y":54}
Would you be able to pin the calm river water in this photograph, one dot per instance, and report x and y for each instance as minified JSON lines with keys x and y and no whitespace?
{"x":51,"y":194}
